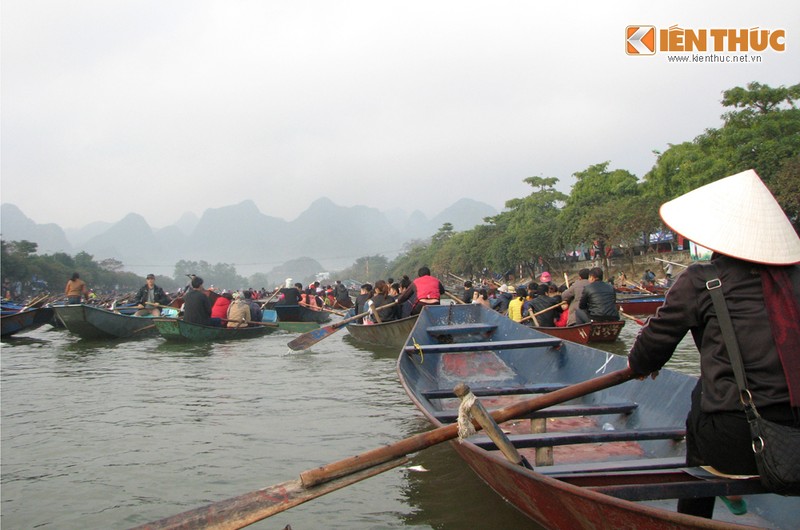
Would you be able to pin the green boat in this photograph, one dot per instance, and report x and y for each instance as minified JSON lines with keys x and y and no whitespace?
{"x":298,"y":327}
{"x":177,"y":330}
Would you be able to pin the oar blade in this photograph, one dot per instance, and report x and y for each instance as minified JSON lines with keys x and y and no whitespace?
{"x":306,"y":340}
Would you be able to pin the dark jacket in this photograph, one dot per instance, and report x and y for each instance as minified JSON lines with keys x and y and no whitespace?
{"x":291,"y":296}
{"x":599,"y":300}
{"x":548,"y":318}
{"x":197,"y":308}
{"x":159,"y":296}
{"x":390,"y":313}
{"x":688,"y":307}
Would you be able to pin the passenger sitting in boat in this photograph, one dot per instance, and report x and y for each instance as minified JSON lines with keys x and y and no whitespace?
{"x":361,"y":300}
{"x":220,"y":308}
{"x":407,"y":306}
{"x":481,"y":297}
{"x":238,"y":312}
{"x":150,"y":293}
{"x":503,"y":298}
{"x":424,"y":290}
{"x":342,"y":296}
{"x":759,"y":278}
{"x":255,"y":309}
{"x":515,"y":305}
{"x":598,"y":301}
{"x":561,"y":322}
{"x":574,"y":293}
{"x":289,"y":294}
{"x":547,"y":297}
{"x":380,"y":298}
{"x":196,"y":304}
{"x":469,"y":291}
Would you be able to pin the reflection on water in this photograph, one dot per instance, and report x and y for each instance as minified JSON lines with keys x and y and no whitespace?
{"x":110,"y":434}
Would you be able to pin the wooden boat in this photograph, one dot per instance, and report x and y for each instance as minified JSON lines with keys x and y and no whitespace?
{"x":645,"y":305}
{"x":92,"y":322}
{"x":25,"y":320}
{"x":299,"y":313}
{"x":270,"y":315}
{"x":586,"y":333}
{"x":391,"y":334}
{"x":610,"y":459}
{"x":174,"y":329}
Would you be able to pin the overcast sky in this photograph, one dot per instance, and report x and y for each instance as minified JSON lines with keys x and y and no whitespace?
{"x":163,"y":107}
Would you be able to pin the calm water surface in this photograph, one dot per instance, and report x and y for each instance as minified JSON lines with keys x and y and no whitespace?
{"x":116,"y":434}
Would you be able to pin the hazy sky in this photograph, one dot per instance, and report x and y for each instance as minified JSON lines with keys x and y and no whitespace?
{"x":162,"y":107}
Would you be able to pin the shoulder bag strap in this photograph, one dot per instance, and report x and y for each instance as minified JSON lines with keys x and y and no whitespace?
{"x":714,"y":287}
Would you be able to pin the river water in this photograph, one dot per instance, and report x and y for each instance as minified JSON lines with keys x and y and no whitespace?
{"x":113,"y":434}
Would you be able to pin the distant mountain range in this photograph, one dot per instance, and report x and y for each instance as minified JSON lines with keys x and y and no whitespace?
{"x":243,"y":236}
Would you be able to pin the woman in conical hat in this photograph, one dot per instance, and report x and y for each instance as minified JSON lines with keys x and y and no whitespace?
{"x":756,"y":256}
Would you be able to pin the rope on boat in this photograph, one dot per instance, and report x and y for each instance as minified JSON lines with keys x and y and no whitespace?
{"x":419,"y":350}
{"x":465,"y":427}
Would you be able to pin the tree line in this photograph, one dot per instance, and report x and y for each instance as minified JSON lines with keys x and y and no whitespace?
{"x":612,"y":207}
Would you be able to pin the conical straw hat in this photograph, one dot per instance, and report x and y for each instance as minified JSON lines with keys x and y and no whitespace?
{"x":736,"y":216}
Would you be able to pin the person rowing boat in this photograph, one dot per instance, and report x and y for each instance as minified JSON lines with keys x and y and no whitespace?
{"x":755,"y":265}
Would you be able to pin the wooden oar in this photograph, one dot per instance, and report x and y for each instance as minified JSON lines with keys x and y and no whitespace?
{"x":456,"y":299}
{"x":271,"y":297}
{"x":306,"y":340}
{"x":322,"y":308}
{"x":238,"y":512}
{"x":536,"y":314}
{"x":626,"y":315}
{"x":673,"y":263}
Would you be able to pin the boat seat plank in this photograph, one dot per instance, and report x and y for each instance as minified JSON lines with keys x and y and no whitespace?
{"x":551,"y":439}
{"x":540,"y":388}
{"x":687,"y":489}
{"x":640,"y":464}
{"x":460,"y":329}
{"x":559,"y":411}
{"x":485,"y":346}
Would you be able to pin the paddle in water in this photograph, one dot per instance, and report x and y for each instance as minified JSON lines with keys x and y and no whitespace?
{"x":306,"y":340}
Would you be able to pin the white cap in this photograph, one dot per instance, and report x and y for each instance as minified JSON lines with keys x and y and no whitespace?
{"x":736,"y":216}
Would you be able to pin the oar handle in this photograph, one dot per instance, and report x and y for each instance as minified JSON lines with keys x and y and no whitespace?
{"x":361,"y":315}
{"x":536,"y":314}
{"x":626,"y":315}
{"x":456,"y":299}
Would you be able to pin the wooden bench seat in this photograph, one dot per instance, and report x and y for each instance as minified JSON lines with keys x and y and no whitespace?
{"x":541,"y":388}
{"x":640,"y":464}
{"x":460,"y":329}
{"x":559,"y":411}
{"x":485,"y":346}
{"x":551,"y":439}
{"x":679,"y":486}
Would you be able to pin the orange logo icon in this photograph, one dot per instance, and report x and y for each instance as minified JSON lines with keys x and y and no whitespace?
{"x":640,"y":40}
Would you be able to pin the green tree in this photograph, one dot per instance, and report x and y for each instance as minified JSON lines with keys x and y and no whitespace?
{"x":760,"y":131}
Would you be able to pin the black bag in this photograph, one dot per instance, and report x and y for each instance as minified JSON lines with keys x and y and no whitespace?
{"x":776,"y":447}
{"x":777,"y":450}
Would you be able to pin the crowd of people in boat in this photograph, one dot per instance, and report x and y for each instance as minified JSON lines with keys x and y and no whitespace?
{"x":542,"y":303}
